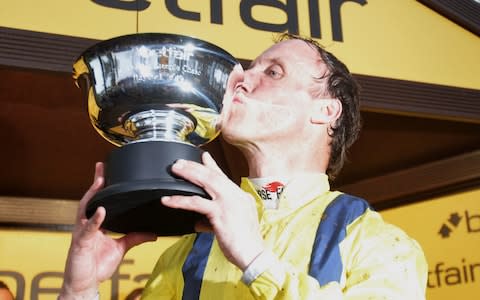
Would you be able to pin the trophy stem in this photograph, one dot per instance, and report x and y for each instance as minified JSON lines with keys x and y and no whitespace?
{"x":158,"y":124}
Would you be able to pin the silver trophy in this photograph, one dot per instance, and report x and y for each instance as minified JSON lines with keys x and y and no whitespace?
{"x":157,"y":97}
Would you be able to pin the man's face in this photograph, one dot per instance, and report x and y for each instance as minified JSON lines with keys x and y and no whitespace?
{"x":274,"y":97}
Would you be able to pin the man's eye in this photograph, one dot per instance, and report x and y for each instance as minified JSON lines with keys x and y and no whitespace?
{"x":274,"y":72}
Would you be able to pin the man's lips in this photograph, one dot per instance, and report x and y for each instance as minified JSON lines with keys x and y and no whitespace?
{"x":237,"y":98}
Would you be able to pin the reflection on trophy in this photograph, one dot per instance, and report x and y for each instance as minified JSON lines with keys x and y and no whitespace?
{"x":158,"y":97}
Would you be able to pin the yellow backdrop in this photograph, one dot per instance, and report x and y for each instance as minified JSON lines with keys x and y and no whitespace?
{"x":32,"y":264}
{"x":448,"y":229}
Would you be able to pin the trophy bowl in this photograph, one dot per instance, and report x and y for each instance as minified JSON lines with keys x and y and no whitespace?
{"x":158,"y":98}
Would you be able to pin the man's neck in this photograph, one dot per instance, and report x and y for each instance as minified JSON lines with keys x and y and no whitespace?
{"x":282,"y":163}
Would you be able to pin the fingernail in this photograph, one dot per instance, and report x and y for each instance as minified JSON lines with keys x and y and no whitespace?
{"x":208,"y":157}
{"x":165,"y":199}
{"x":179,"y":164}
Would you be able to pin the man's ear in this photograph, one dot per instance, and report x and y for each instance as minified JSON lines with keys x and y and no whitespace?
{"x":326,"y":111}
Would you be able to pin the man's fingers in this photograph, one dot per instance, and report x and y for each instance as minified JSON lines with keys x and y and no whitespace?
{"x":98,"y":181}
{"x":191,"y":171}
{"x":213,"y":181}
{"x":191,"y":203}
{"x":99,"y":170}
{"x":93,"y":224}
{"x":133,"y":239}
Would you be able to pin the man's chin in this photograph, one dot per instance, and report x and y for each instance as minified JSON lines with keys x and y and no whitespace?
{"x":233,"y":137}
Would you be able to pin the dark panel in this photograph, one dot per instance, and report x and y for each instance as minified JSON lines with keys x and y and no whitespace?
{"x":419,"y":182}
{"x":50,"y":147}
{"x":465,"y":13}
{"x":419,"y":99}
{"x":35,"y":50}
{"x":389,"y":143}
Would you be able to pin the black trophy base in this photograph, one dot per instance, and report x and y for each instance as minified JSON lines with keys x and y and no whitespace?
{"x":137,"y":175}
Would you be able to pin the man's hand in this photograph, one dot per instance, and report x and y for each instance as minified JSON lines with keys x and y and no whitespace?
{"x":94,"y":256}
{"x":231,"y":214}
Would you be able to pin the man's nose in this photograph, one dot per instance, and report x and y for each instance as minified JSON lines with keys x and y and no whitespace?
{"x":236,"y":79}
{"x":246,"y":84}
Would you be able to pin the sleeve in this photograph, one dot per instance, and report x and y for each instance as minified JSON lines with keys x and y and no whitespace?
{"x":166,"y":280}
{"x":380,"y":262}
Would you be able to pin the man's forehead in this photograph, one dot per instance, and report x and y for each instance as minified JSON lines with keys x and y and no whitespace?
{"x":294,"y":53}
{"x":294,"y":49}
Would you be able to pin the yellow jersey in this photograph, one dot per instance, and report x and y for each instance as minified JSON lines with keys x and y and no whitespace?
{"x":322,"y":245}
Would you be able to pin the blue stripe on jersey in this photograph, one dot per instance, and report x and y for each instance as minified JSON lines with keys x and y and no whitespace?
{"x":195,"y":264}
{"x":325,"y":262}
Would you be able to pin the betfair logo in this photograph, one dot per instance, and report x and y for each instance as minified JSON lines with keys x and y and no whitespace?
{"x":246,"y":10}
{"x":456,"y":221}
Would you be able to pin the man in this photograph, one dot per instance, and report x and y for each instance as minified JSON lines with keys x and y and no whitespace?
{"x":293,"y":114}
